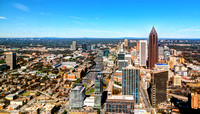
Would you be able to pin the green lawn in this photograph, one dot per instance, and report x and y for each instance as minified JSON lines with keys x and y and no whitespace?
{"x":85,"y":85}
{"x":90,"y":91}
{"x":26,"y":93}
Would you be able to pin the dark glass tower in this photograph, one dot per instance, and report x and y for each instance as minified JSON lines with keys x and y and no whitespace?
{"x":158,"y":87}
{"x":153,"y":48}
{"x":84,"y":47}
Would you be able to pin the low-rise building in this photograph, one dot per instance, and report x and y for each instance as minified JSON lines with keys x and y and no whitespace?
{"x":120,"y":104}
{"x":11,"y":96}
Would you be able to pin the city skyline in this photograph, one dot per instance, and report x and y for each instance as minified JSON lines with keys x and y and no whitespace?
{"x":105,"y":19}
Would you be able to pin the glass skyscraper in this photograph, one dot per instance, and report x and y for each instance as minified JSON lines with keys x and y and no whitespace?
{"x":131,"y":82}
{"x":98,"y":85}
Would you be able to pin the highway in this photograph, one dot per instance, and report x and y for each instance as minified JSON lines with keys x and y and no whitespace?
{"x":91,"y":75}
{"x":179,"y":97}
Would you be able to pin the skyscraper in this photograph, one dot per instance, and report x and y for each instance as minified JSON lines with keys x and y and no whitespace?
{"x":98,"y":90}
{"x":11,"y":60}
{"x":84,"y":47}
{"x":126,"y":43}
{"x":143,"y":52}
{"x":74,"y":45}
{"x":153,"y":48}
{"x":121,"y":64}
{"x":131,"y":82}
{"x":158,"y":87}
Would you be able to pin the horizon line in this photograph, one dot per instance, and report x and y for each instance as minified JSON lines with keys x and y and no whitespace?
{"x":96,"y":37}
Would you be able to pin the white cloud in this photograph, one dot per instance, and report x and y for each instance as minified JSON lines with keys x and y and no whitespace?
{"x":78,"y":22}
{"x":3,"y":18}
{"x":21,"y":7}
{"x":74,"y":17}
{"x":190,"y":29}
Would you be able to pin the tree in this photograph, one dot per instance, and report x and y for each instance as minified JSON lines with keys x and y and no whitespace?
{"x":98,"y":111}
{"x":65,"y":112}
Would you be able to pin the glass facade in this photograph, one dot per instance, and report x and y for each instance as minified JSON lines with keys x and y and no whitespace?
{"x":131,"y":83}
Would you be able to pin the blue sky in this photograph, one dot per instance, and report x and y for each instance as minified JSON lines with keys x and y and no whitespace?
{"x":99,"y":18}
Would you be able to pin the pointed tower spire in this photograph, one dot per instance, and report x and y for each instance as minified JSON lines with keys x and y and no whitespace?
{"x":153,"y":30}
{"x":153,"y":48}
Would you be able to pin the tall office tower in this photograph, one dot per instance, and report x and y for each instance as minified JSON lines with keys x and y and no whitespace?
{"x":84,"y":47}
{"x":138,"y":46}
{"x":74,"y":45}
{"x":128,"y":57}
{"x":98,"y":90}
{"x":158,"y":87}
{"x":77,"y":96}
{"x":131,"y":82}
{"x":11,"y":60}
{"x":143,"y":52}
{"x":121,"y":64}
{"x":126,"y":43}
{"x":121,"y":55}
{"x":153,"y":49}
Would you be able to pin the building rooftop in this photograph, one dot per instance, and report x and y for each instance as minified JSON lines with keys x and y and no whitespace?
{"x":120,"y":97}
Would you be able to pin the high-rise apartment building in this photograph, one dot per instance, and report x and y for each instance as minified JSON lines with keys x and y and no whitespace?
{"x":143,"y":52}
{"x":98,"y":90}
{"x":131,"y":82}
{"x":74,"y":45}
{"x":11,"y":60}
{"x":153,"y":49}
{"x":158,"y":86}
{"x":77,"y":96}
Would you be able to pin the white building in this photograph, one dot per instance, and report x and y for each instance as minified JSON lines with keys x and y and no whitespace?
{"x":74,"y":45}
{"x":177,"y":80}
{"x":143,"y":52}
{"x":128,"y":57}
{"x":89,"y":102}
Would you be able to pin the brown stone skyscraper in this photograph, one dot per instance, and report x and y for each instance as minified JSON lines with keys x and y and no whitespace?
{"x":153,"y":48}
